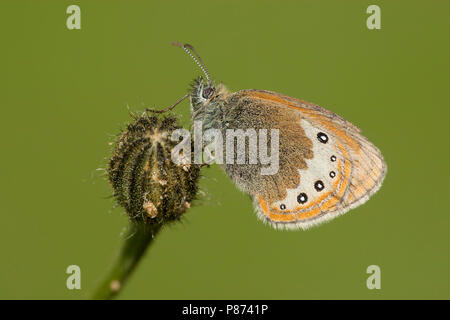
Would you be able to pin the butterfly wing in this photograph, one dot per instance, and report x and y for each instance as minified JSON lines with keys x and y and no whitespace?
{"x":326,"y":166}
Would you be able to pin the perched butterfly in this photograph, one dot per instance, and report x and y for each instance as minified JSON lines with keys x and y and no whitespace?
{"x":326,"y":167}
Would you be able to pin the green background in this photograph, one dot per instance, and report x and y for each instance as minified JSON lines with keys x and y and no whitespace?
{"x":64,"y":95}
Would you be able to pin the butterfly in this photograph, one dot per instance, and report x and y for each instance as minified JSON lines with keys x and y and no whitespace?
{"x":326,"y":166}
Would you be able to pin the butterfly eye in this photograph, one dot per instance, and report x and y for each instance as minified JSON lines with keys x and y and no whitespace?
{"x":207,"y":92}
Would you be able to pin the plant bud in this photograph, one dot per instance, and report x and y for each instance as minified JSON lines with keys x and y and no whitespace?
{"x":146,"y":182}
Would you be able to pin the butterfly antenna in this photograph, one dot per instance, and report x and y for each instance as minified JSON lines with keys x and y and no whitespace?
{"x":194,"y":55}
{"x":169,"y":108}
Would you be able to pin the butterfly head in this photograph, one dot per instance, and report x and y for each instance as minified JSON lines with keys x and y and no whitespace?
{"x":202,"y":93}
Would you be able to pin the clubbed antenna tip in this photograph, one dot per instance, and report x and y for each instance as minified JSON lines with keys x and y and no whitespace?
{"x":195,"y":56}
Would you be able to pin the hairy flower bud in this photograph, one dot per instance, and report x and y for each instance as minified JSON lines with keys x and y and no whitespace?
{"x":146,"y":182}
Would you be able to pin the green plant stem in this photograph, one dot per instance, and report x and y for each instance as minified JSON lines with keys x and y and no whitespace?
{"x":138,"y":239}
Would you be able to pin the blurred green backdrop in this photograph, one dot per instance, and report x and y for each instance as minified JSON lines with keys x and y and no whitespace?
{"x":64,"y":95}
